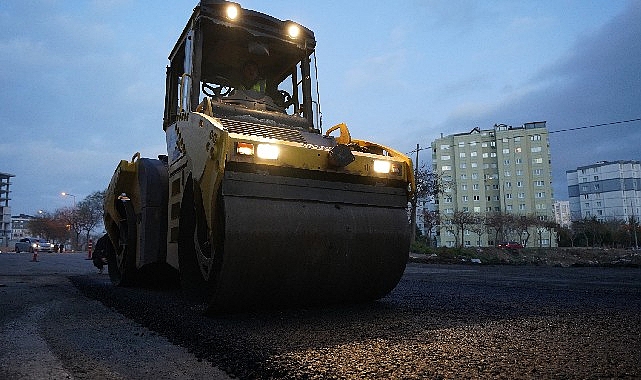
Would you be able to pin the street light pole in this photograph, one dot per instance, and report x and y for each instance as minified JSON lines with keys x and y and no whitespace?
{"x":70,"y":195}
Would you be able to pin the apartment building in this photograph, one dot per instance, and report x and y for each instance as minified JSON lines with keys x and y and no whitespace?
{"x":562,"y":213}
{"x":607,"y":190}
{"x":5,"y":210}
{"x":500,"y":170}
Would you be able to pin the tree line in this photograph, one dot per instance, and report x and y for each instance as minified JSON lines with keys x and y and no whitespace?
{"x":530,"y":230}
{"x":75,"y":224}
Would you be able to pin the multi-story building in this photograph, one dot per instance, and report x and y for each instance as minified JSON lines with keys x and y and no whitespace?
{"x":501,"y":170}
{"x":20,"y":226}
{"x":5,"y":210}
{"x":562,"y":213}
{"x":605,"y":190}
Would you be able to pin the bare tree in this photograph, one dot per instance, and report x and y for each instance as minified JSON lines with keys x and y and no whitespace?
{"x":431,"y":219}
{"x":462,"y":220}
{"x":478,"y":227}
{"x":522,"y":224}
{"x":498,"y":222}
{"x":69,"y":216}
{"x":429,"y":185}
{"x":90,"y":213}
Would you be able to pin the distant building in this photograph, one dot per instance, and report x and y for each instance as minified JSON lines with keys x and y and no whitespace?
{"x":20,"y":226}
{"x":562,"y":213}
{"x":607,"y":190}
{"x":5,"y":210}
{"x":501,"y":170}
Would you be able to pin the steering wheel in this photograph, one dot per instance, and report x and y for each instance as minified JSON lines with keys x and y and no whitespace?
{"x":287,"y":98}
{"x":220,"y":86}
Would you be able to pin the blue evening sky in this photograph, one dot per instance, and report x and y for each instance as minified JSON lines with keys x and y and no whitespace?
{"x":83,"y":81}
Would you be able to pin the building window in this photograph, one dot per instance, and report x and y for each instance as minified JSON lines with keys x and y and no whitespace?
{"x":462,"y":165}
{"x":461,"y":154}
{"x":461,"y":144}
{"x":506,"y":151}
{"x":446,"y":167}
{"x":463,"y":176}
{"x":473,"y":154}
{"x":539,"y":183}
{"x":522,"y":207}
{"x":519,"y":172}
{"x":519,"y":183}
{"x":508,"y":184}
{"x":477,"y":209}
{"x":445,"y":158}
{"x":486,"y":155}
{"x":474,"y":164}
{"x":536,"y":149}
{"x":535,"y":137}
{"x":537,"y":171}
{"x":521,"y":195}
{"x":475,"y":175}
{"x":507,"y":173}
{"x":508,"y":207}
{"x":506,"y":162}
{"x":464,"y":186}
{"x":477,"y":198}
{"x":537,"y":160}
{"x":464,"y":198}
{"x":475,"y":186}
{"x":517,"y":149}
{"x":445,"y":147}
{"x":540,"y":194}
{"x":508,"y":196}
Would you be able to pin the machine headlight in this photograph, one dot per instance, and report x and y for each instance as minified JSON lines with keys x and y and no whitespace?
{"x":267,"y":151}
{"x":232,"y":11}
{"x":381,"y":166}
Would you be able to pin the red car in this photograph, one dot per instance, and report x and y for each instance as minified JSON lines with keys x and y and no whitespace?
{"x":510,"y":245}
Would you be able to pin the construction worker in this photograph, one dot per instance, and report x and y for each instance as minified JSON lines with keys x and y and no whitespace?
{"x":251,"y":78}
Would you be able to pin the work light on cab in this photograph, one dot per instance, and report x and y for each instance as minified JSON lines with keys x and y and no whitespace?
{"x":232,"y":12}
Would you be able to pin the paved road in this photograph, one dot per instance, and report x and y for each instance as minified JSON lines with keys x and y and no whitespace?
{"x":48,"y":330}
{"x":440,"y":322}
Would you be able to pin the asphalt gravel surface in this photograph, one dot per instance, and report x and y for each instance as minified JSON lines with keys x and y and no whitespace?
{"x":441,"y":322}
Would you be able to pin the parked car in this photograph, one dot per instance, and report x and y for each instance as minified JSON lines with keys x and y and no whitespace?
{"x":27,"y":244}
{"x":30,"y":244}
{"x":510,"y":245}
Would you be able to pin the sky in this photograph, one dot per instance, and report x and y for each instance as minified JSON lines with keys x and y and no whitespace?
{"x":82,"y":82}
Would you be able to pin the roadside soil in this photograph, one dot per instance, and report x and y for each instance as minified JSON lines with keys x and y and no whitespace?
{"x":559,"y":257}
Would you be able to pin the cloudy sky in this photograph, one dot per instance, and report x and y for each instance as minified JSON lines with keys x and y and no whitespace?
{"x":82,"y":82}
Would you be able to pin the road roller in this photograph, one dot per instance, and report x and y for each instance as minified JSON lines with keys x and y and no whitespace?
{"x":254,"y":205}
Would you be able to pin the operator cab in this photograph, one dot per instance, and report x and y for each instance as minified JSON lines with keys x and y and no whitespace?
{"x":206,"y":67}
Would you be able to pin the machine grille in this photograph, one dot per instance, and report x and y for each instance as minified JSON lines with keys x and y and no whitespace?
{"x":261,"y":130}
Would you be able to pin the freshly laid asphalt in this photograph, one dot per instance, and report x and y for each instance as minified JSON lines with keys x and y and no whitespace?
{"x":441,"y":322}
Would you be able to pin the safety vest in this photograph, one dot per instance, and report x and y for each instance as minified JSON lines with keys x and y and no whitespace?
{"x":258,"y":86}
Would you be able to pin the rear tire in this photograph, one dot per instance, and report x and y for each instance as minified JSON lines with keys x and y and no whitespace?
{"x":121,"y":261}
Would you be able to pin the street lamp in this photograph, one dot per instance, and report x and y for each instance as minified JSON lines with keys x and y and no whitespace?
{"x":70,"y":195}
